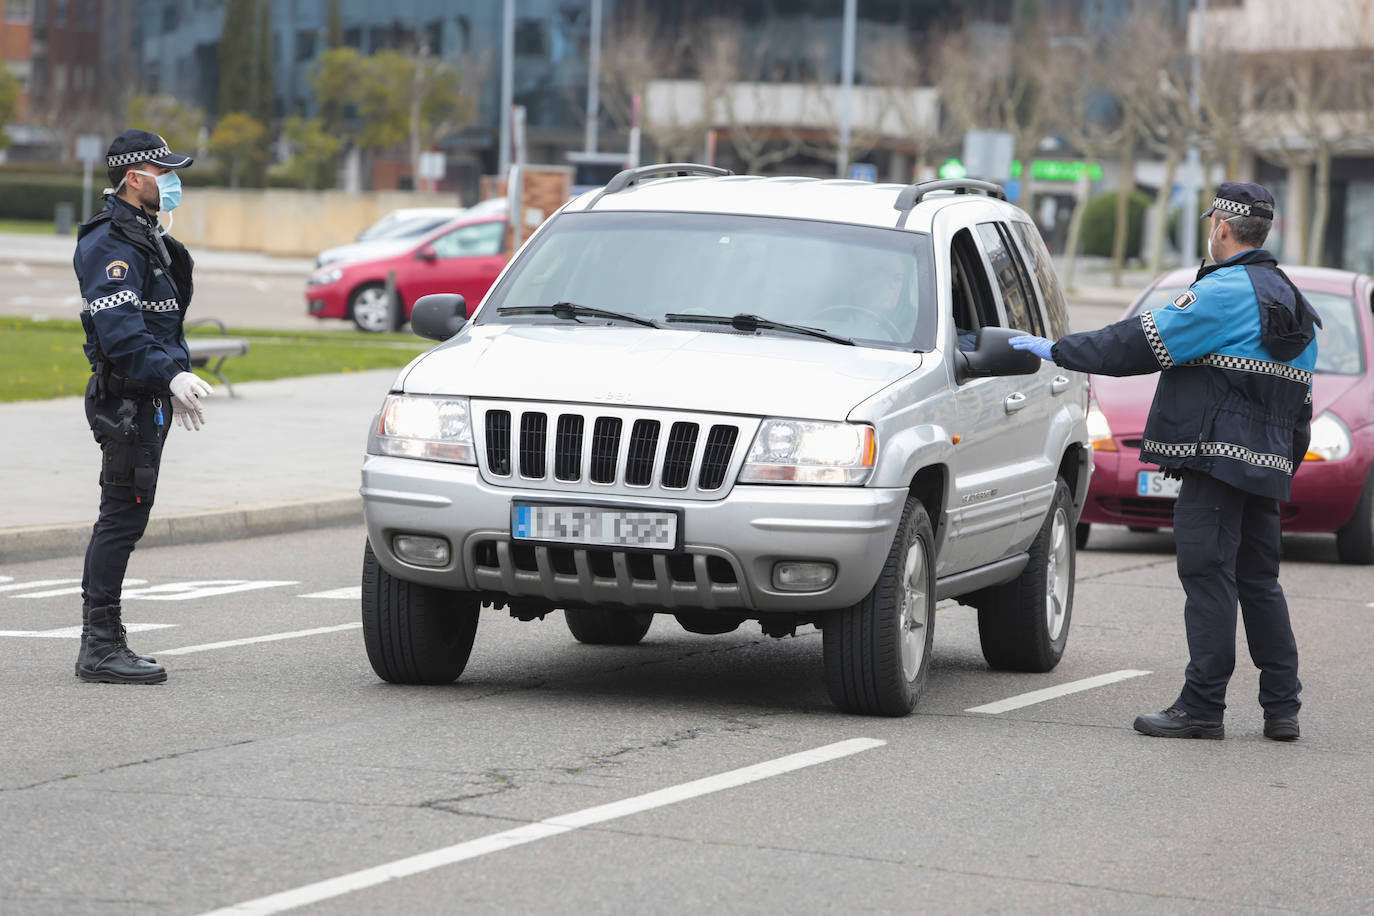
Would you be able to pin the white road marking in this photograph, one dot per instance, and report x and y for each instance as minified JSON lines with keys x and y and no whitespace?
{"x":75,"y":632}
{"x":53,"y":593}
{"x":184,"y":591}
{"x":1050,"y":693}
{"x":351,"y":592}
{"x":271,"y":637}
{"x":37,"y":583}
{"x":6,"y":578}
{"x":495,"y":842}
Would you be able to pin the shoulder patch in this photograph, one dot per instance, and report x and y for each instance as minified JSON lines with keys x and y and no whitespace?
{"x":1185,"y":299}
{"x":116,"y":270}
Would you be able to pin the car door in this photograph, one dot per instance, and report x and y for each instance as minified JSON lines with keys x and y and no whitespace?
{"x":463,"y":260}
{"x":986,"y":506}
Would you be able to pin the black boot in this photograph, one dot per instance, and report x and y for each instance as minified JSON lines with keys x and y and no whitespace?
{"x":86,"y":632}
{"x":105,"y":656}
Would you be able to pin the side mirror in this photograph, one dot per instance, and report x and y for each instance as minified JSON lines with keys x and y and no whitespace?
{"x":994,"y":356}
{"x":438,"y":316}
{"x":427,"y":253}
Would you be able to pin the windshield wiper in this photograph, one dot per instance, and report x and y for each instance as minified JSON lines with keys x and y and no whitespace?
{"x":752,"y":323}
{"x":571,"y":310}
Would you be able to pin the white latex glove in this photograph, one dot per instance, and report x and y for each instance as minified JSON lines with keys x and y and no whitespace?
{"x":187,"y":390}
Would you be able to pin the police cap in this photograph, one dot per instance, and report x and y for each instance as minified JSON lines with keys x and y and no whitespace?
{"x":1241,"y":198}
{"x":135,"y":146}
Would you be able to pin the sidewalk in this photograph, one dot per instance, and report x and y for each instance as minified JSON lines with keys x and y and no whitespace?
{"x":58,"y":249}
{"x":282,"y":456}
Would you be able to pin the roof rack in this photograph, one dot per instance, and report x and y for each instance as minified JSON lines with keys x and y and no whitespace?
{"x":911,"y":195}
{"x":628,"y":177}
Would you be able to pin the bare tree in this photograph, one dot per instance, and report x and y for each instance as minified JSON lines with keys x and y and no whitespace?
{"x":737,"y":99}
{"x":894,"y":66}
{"x":637,"y":53}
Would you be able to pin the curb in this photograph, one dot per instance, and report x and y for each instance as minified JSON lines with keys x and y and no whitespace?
{"x":43,"y":542}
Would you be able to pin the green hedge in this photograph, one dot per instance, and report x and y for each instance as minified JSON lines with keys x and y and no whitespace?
{"x":1099,"y":224}
{"x":35,"y":195}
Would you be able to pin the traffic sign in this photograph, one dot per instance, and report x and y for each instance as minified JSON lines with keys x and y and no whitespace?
{"x":863,"y":171}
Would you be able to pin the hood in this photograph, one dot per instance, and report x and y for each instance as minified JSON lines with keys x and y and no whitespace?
{"x":364,"y":251}
{"x":1126,"y":400}
{"x":671,"y":369}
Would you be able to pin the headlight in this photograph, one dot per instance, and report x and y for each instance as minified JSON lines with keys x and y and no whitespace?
{"x":1099,"y":430}
{"x":1330,"y":439}
{"x":439,"y":429}
{"x":320,"y":278}
{"x":799,"y":451}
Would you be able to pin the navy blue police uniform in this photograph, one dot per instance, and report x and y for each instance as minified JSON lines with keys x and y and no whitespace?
{"x":1231,"y":417}
{"x":135,"y":288}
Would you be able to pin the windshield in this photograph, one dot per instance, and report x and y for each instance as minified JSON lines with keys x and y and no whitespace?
{"x":1340,"y":349}
{"x":871,"y":285}
{"x":401,"y":227}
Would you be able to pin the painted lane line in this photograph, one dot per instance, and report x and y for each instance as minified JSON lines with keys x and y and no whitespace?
{"x":37,"y":583}
{"x":75,"y":632}
{"x":271,"y":637}
{"x":350,"y":592}
{"x":1051,"y":693}
{"x":211,"y":588}
{"x":74,"y":590}
{"x":495,"y":842}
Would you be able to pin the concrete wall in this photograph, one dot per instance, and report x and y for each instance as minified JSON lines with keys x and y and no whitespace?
{"x":286,"y":223}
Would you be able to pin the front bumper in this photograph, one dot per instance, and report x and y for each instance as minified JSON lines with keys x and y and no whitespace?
{"x":328,"y":301}
{"x":729,"y":545}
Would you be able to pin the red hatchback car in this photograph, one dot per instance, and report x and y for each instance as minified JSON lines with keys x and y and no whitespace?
{"x":1334,"y":487}
{"x":463,"y":256}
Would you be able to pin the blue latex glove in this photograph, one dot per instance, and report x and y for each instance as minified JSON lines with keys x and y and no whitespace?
{"x":1037,"y":345}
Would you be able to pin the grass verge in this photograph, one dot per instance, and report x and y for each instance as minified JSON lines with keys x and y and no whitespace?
{"x":44,"y":359}
{"x":29,"y":226}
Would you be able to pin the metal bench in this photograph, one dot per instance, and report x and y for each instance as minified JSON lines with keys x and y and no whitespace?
{"x":205,"y":349}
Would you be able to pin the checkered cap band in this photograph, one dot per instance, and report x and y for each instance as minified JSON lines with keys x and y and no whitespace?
{"x":1240,"y":209}
{"x":147,"y":155}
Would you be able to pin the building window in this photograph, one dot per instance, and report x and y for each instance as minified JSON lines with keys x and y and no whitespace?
{"x":305,"y":45}
{"x":531,"y":38}
{"x":18,"y":10}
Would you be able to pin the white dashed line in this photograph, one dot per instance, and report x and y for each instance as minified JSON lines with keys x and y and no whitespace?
{"x":350,"y":592}
{"x":495,"y":842}
{"x":272,"y":637}
{"x":1050,"y":693}
{"x":75,"y":632}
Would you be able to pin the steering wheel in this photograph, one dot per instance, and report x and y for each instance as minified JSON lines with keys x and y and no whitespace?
{"x":866,"y":317}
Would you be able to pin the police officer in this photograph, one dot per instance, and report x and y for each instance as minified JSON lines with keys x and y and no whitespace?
{"x":1231,"y":418}
{"x":135,"y":288}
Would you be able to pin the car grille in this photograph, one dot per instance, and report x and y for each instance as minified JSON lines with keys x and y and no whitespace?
{"x":609,"y":449}
{"x":600,"y":576}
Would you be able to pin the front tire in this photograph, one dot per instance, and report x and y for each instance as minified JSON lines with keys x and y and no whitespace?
{"x":604,"y":627}
{"x":371,"y":309}
{"x":415,"y":634}
{"x":1355,"y":539}
{"x":877,"y":653}
{"x":1024,"y":624}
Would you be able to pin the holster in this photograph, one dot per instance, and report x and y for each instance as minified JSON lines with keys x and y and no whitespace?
{"x":126,"y":461}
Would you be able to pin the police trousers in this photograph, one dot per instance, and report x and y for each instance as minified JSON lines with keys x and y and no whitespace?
{"x":131,"y":431}
{"x":1228,"y":546}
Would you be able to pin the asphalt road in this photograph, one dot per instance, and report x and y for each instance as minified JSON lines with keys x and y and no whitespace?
{"x":264,"y":767}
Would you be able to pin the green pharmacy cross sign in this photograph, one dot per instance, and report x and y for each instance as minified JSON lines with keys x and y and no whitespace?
{"x":1041,"y":170}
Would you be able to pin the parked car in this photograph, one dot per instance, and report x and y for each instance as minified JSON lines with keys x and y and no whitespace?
{"x":728,"y":398}
{"x":464,"y":256}
{"x":390,"y":234}
{"x":1333,"y":490}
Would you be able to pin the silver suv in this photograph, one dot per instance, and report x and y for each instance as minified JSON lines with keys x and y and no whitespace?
{"x":731,"y":398}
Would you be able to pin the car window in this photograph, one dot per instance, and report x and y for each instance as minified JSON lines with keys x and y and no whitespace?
{"x":974,"y":306}
{"x":1012,"y":280}
{"x":1038,"y":260}
{"x":1340,"y":345}
{"x":872,"y":285}
{"x":478,"y":239}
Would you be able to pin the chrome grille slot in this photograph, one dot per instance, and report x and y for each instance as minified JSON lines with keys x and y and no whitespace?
{"x":639,"y":463}
{"x":597,"y":449}
{"x":498,"y":442}
{"x":605,"y":449}
{"x":720,"y":446}
{"x":677,"y":461}
{"x":567,"y":451}
{"x":534,"y":433}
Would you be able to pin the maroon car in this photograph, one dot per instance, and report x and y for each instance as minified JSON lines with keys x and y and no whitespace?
{"x":1334,"y":487}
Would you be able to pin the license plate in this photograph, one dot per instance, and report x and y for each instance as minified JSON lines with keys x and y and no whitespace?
{"x":595,"y":526}
{"x":1154,"y":483}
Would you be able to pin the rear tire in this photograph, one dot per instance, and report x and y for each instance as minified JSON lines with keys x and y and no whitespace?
{"x":415,"y":634}
{"x":877,"y":653}
{"x":1024,"y":624}
{"x":604,"y":627}
{"x":1355,"y":539}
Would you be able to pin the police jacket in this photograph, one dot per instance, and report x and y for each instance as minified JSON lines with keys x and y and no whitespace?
{"x":135,"y":288}
{"x":1235,"y":353}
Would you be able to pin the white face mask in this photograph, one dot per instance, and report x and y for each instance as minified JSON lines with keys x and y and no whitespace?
{"x":1210,"y":256}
